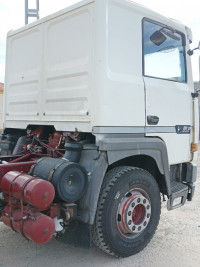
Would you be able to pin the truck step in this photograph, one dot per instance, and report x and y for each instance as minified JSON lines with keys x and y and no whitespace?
{"x":179,"y":191}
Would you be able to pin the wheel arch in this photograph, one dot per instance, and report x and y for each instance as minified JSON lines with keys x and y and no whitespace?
{"x":149,"y":154}
{"x":145,"y":162}
{"x":139,"y":152}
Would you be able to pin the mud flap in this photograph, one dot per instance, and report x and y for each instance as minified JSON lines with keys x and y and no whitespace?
{"x":78,"y":235}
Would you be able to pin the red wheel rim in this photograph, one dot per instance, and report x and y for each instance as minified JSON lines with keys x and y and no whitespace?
{"x":138,"y":214}
{"x":134,"y":213}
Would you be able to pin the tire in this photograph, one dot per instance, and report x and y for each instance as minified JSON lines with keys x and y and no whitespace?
{"x":128,"y":211}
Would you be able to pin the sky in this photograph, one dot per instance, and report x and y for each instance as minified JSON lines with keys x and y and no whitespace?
{"x":12,"y":17}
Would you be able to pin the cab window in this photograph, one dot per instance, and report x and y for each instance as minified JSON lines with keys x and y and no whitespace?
{"x":163,"y":52}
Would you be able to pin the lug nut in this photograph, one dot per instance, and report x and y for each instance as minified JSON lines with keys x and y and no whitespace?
{"x":129,"y":222}
{"x":129,"y":213}
{"x":138,"y":200}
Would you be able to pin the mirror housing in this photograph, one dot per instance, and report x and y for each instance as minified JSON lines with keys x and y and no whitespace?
{"x":190,"y":52}
{"x":158,"y":38}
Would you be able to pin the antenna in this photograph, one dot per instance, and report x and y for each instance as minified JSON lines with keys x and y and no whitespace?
{"x":31,"y":12}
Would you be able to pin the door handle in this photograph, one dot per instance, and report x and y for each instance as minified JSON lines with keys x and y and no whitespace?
{"x":152,"y":120}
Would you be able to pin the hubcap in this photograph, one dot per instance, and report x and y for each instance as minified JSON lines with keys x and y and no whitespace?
{"x":134,"y":213}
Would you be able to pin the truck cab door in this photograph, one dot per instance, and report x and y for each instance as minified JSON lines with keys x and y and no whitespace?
{"x":168,"y":93}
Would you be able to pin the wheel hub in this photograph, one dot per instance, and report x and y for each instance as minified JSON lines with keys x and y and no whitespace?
{"x":134,"y":213}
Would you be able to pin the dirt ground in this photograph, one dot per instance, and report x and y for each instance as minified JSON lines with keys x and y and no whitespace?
{"x":176,"y":243}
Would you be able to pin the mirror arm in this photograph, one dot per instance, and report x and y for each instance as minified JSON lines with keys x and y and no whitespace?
{"x":191,"y":52}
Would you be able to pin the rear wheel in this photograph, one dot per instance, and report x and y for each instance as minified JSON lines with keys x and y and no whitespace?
{"x":128,"y":211}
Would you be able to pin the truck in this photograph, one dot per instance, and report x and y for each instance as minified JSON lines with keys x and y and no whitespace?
{"x":100,"y":125}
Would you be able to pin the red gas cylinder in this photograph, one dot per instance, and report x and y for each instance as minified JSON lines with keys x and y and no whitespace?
{"x":40,"y":228}
{"x":36,"y":192}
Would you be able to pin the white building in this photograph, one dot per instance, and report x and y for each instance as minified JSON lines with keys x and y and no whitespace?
{"x":1,"y":105}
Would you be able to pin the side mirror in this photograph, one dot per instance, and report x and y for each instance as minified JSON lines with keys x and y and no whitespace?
{"x":158,"y":38}
{"x":191,"y":52}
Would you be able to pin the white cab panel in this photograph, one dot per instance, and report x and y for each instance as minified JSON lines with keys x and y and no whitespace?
{"x":119,"y":87}
{"x":67,"y":77}
{"x":178,"y":147}
{"x":50,"y":71}
{"x":24,"y":52}
{"x":170,"y":101}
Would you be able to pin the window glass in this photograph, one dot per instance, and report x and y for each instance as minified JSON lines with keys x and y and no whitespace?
{"x":163,"y":52}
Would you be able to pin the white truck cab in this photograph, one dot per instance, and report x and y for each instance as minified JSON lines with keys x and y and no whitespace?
{"x":110,"y":81}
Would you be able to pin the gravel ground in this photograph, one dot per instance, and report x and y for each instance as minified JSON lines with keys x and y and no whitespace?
{"x":176,"y":243}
